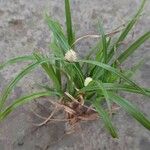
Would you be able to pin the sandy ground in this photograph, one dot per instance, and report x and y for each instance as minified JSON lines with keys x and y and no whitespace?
{"x":22,"y":30}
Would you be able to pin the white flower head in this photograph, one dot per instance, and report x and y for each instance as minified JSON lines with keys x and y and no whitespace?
{"x":87,"y":81}
{"x":107,"y":39}
{"x":71,"y":56}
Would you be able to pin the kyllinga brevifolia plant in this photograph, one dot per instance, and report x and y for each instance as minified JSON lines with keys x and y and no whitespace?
{"x":89,"y":87}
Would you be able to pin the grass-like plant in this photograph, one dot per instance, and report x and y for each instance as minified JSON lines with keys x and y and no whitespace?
{"x":92,"y":84}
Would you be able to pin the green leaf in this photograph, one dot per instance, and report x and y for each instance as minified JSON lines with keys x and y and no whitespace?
{"x":58,"y":34}
{"x":104,"y":42}
{"x":115,"y":87}
{"x":104,"y":91}
{"x":127,"y":29}
{"x":9,"y":88}
{"x":101,"y":56}
{"x":113,"y":70}
{"x":61,"y":39}
{"x":70,"y":33}
{"x":132,"y":22}
{"x":133,"y":47}
{"x":78,"y":75}
{"x":132,"y":110}
{"x":106,"y":119}
{"x":50,"y":71}
{"x":24,"y":100}
{"x":125,"y":87}
{"x":24,"y":72}
{"x":94,"y":50}
{"x":17,"y":59}
{"x":58,"y":72}
{"x":56,"y":49}
{"x":75,"y":73}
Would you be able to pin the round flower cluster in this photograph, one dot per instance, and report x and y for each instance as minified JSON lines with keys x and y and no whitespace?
{"x":87,"y":81}
{"x":71,"y":56}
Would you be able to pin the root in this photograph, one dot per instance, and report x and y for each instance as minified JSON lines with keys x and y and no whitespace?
{"x":75,"y":111}
{"x":37,"y":115}
{"x":48,"y":119}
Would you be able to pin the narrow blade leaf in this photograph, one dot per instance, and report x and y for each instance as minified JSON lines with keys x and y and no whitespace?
{"x":22,"y":101}
{"x":132,"y":110}
{"x":132,"y":22}
{"x":127,"y":30}
{"x":106,"y":119}
{"x":58,"y":34}
{"x":113,"y":70}
{"x":133,"y":47}
{"x":17,"y":59}
{"x":70,"y":33}
{"x":9,"y":88}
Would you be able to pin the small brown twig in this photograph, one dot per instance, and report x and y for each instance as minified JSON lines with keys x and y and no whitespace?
{"x":96,"y":36}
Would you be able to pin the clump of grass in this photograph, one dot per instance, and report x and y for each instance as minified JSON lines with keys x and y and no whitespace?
{"x":90,"y":82}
